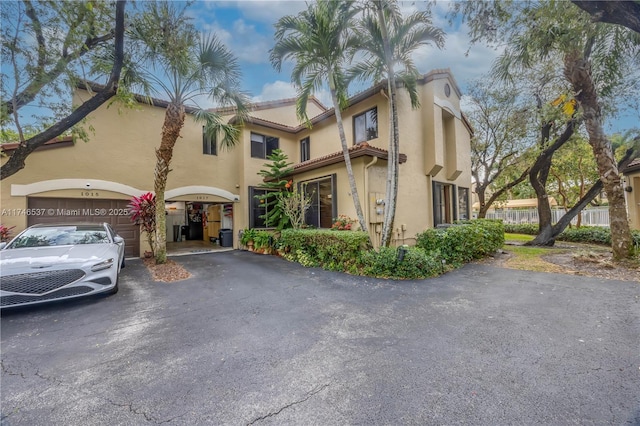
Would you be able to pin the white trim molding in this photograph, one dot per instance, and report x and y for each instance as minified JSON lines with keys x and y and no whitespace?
{"x":18,"y":190}
{"x":86,"y":184}
{"x":200,"y":189}
{"x":445,"y":104}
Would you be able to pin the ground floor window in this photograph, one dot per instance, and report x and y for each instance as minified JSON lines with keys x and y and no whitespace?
{"x":463,"y":203}
{"x":442,"y":206}
{"x":323,"y":201}
{"x":258,"y":208}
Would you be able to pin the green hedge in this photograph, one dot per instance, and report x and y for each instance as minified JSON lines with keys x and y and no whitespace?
{"x":464,"y":242}
{"x":351,"y":252}
{"x":329,"y":249}
{"x":521,"y":228}
{"x":416,"y":264}
{"x":584,"y":234}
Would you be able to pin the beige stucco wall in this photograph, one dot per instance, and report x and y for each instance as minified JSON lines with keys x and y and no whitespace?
{"x":286,"y":114}
{"x":122,"y":147}
{"x":121,"y":151}
{"x":633,"y":199}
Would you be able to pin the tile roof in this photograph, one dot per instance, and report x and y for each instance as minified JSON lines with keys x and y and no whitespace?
{"x":632,"y":166}
{"x":53,"y":143}
{"x":359,"y":150}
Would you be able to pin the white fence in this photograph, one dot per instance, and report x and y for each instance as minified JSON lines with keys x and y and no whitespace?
{"x":595,"y":216}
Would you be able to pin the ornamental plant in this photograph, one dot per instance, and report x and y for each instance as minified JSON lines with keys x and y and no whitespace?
{"x":275,"y":179}
{"x":142,"y":211}
{"x":5,"y":233}
{"x":343,"y":223}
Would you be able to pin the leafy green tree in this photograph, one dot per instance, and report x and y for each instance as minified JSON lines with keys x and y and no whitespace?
{"x":280,"y":187}
{"x":320,"y":42}
{"x":387,"y":41}
{"x":45,"y":45}
{"x":183,"y":65}
{"x":499,"y":145}
{"x":598,"y":61}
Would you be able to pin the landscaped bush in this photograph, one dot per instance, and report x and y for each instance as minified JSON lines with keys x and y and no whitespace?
{"x":594,"y":235}
{"x":416,"y":264}
{"x":584,"y":234}
{"x":331,"y":250}
{"x":464,"y":242}
{"x":521,"y":228}
{"x":351,"y":252}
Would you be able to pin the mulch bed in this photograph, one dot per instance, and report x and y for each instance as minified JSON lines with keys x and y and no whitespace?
{"x":168,"y":272}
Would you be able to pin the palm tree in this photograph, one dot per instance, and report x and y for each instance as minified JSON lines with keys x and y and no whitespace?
{"x":187,"y":65}
{"x":388,"y":40}
{"x":320,"y":42}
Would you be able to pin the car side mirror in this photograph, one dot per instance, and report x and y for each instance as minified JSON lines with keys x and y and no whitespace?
{"x":2,"y":245}
{"x":118,"y":239}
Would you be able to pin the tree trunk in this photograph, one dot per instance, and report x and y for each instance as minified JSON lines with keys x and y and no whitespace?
{"x":538,"y":175}
{"x":394,"y":140}
{"x":578,"y":72}
{"x":17,"y":160}
{"x":173,"y":122}
{"x":347,"y":158}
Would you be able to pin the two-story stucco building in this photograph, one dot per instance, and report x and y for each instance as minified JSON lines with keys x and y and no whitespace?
{"x":210,"y":188}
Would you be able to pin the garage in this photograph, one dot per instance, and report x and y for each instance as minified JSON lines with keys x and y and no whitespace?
{"x":68,"y":210}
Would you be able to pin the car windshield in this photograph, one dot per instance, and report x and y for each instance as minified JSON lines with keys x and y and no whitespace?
{"x":60,"y":236}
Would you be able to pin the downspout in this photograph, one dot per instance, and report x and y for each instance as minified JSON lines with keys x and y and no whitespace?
{"x":366,"y":190}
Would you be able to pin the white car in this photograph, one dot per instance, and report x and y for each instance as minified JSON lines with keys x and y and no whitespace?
{"x":53,"y":262}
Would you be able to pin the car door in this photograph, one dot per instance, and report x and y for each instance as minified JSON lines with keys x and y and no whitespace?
{"x":119,"y":244}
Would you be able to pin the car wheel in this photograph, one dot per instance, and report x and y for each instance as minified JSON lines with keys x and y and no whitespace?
{"x":115,"y":288}
{"x":122,"y":265}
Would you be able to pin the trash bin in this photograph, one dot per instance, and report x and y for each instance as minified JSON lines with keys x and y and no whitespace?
{"x":176,"y":232}
{"x":225,"y":237}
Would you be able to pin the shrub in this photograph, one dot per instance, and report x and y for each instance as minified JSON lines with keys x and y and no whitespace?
{"x":142,"y":212}
{"x":521,"y":228}
{"x":594,"y":235}
{"x":417,"y":263}
{"x":464,"y":242}
{"x":333,"y":250}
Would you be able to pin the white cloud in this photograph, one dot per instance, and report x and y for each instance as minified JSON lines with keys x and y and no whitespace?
{"x":276,"y":90}
{"x":466,"y":61}
{"x":282,"y":90}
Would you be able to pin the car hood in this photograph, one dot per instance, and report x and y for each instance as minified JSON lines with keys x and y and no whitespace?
{"x":33,"y":259}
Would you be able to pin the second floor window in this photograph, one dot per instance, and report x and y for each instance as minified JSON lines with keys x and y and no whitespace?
{"x":305,"y":149}
{"x":262,"y":146}
{"x":209,"y":145}
{"x":365,"y":126}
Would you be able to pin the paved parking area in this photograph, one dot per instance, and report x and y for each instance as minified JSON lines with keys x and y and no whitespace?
{"x":255,"y":340}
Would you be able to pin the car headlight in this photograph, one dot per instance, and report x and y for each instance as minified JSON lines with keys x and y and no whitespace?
{"x":102,"y":265}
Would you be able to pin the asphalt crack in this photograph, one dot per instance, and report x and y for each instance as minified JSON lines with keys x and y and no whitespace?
{"x":300,"y":401}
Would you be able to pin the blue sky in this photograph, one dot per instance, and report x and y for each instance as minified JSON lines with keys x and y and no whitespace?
{"x":247,"y":28}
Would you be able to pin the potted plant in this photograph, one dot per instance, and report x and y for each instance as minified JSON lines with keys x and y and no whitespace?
{"x":248,"y":237}
{"x":261,"y":241}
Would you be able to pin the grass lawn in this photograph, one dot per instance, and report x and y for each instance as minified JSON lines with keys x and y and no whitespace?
{"x":529,"y":258}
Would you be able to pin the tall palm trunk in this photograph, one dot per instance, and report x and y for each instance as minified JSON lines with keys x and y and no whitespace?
{"x":173,"y":123}
{"x":577,"y":70}
{"x":394,"y":142}
{"x":347,"y":159}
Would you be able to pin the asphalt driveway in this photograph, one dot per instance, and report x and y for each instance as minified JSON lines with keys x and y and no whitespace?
{"x":256,"y":340}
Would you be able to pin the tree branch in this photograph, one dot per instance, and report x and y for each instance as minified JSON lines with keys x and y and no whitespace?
{"x":17,"y":160}
{"x":625,"y":13}
{"x":45,"y":77}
